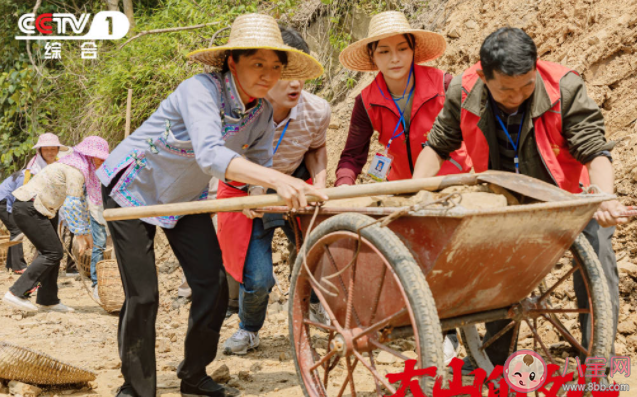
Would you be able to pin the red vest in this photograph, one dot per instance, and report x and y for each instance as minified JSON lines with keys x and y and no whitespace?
{"x":564,"y":168}
{"x":428,"y":100}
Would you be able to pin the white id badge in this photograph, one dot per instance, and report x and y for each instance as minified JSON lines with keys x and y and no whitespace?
{"x":380,"y":166}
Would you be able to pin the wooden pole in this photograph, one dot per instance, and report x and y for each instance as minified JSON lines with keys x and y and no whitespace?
{"x":335,"y":193}
{"x":128,"y":111}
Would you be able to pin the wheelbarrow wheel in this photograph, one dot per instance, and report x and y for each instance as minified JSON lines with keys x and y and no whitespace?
{"x":380,"y":308}
{"x":545,"y":312}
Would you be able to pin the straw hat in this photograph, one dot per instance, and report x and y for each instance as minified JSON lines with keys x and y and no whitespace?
{"x":49,"y":139}
{"x":254,"y":31}
{"x":429,"y":45}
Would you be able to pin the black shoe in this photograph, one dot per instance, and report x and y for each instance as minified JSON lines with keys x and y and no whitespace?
{"x":231,"y":310}
{"x":126,"y":390}
{"x":467,"y":367}
{"x":207,"y":387}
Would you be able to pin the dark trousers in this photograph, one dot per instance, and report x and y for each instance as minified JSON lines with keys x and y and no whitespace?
{"x":15,"y":255}
{"x":195,"y":245}
{"x":41,"y":231}
{"x":601,"y":241}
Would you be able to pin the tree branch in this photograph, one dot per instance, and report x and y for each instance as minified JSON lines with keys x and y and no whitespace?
{"x":35,"y":10}
{"x":140,"y":34}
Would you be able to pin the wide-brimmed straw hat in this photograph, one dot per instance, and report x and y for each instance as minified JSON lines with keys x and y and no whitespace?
{"x":429,"y":45}
{"x":257,"y":31}
{"x":49,"y":139}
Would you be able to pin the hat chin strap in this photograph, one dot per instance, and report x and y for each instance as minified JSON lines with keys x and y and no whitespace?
{"x":236,"y":78}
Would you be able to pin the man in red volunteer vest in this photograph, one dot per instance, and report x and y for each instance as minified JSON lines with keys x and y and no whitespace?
{"x":519,"y":114}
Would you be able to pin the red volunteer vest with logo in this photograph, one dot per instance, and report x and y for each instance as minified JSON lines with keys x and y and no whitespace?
{"x":428,"y":100}
{"x":563,"y":167}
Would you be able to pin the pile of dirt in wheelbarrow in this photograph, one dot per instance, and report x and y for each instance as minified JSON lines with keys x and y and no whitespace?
{"x":469,"y":197}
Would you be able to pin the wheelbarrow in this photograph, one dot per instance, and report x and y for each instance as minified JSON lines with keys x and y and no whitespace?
{"x":393,"y":280}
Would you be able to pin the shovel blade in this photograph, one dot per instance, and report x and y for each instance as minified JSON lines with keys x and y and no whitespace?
{"x":526,"y":186}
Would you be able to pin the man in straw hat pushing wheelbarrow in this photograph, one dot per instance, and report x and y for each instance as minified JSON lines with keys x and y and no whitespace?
{"x":215,"y":124}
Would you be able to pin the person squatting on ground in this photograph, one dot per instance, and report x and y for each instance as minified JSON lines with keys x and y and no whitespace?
{"x":214,"y":124}
{"x":301,"y":120}
{"x":15,"y":254}
{"x":401,"y":104}
{"x":519,"y":114}
{"x":35,"y":211}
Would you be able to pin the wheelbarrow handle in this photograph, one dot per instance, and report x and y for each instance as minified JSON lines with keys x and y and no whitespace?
{"x":270,"y":200}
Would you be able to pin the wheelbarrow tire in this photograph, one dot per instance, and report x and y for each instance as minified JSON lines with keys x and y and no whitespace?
{"x":594,"y":276}
{"x":414,"y":283}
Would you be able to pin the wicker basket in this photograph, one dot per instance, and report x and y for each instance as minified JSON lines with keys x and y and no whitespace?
{"x":84,"y":262}
{"x":3,"y":249}
{"x":25,"y":365}
{"x":109,"y":285}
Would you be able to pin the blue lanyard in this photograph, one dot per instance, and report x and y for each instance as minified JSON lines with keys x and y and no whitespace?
{"x":515,"y":144}
{"x":281,"y":137}
{"x":401,"y":120}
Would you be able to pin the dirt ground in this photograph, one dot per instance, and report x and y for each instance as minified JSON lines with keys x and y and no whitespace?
{"x":87,"y":338}
{"x":595,"y":38}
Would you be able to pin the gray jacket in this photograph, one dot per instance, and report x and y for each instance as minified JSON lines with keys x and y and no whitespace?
{"x":191,"y":137}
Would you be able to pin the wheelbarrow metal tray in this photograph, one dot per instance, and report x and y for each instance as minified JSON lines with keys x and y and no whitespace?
{"x":474,"y":260}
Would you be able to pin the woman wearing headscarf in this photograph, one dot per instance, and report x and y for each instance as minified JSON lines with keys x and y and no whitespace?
{"x":47,"y":150}
{"x":214,"y":124}
{"x":401,"y":103}
{"x":35,"y":212}
{"x":15,"y":254}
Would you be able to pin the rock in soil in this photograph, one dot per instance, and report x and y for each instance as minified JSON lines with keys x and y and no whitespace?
{"x":22,"y":389}
{"x":221,"y":374}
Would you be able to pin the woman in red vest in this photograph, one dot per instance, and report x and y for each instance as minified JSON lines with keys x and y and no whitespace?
{"x":401,"y":103}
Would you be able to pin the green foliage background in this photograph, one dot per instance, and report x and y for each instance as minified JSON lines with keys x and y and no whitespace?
{"x":73,"y":97}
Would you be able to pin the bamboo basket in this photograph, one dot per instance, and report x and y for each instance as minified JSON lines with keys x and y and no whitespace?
{"x":109,"y":285}
{"x":4,"y":250}
{"x":84,"y":262}
{"x":108,"y":253}
{"x":26,"y":365}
